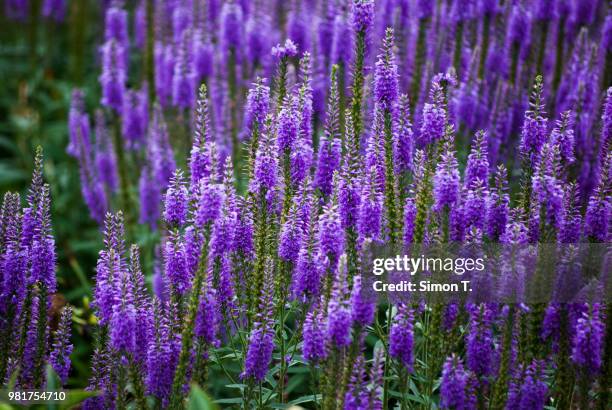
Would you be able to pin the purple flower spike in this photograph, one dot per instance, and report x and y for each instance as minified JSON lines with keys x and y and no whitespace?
{"x":62,"y":348}
{"x":175,"y":211}
{"x":446,"y":181}
{"x":363,"y":14}
{"x":386,"y":76}
{"x":456,"y":390}
{"x":401,"y":338}
{"x":587,"y":343}
{"x":289,"y":49}
{"x":315,"y":348}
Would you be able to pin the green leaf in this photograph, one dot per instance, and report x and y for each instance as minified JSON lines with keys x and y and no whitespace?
{"x":74,"y":397}
{"x":198,"y":400}
{"x":306,"y":399}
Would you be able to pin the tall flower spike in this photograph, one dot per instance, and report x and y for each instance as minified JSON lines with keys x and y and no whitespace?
{"x":114,"y":75}
{"x":135,"y":117}
{"x":363,"y":14}
{"x":184,"y":79}
{"x":62,"y":348}
{"x":105,"y":158}
{"x":401,"y":338}
{"x":370,"y":212}
{"x":357,"y":393}
{"x":329,"y":151}
{"x":339,"y":312}
{"x":386,"y":76}
{"x":175,"y":264}
{"x":43,"y":257}
{"x":563,"y":136}
{"x":498,"y":205}
{"x":535,"y":125}
{"x":480,"y":343}
{"x":434,"y":120}
{"x":79,"y":129}
{"x":315,"y":348}
{"x":456,"y":390}
{"x":405,"y":136}
{"x":478,"y":161}
{"x":571,"y":226}
{"x":587,"y":343}
{"x":200,"y":164}
{"x":176,"y":203}
{"x":257,"y":108}
{"x":599,"y":208}
{"x":362,"y":305}
{"x":446,"y":181}
{"x":261,"y":340}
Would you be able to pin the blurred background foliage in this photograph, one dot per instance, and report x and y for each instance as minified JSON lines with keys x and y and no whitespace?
{"x":41,"y":61}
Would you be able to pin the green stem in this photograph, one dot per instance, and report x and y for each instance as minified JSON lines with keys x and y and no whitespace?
{"x":41,"y":330}
{"x":176,"y":399}
{"x":458,"y":47}
{"x":149,"y":57}
{"x":486,"y":28}
{"x":357,"y":87}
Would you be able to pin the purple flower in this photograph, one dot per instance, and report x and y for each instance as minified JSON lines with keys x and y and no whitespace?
{"x":341,"y":52}
{"x":62,"y":348}
{"x":446,"y":182}
{"x":588,"y":339}
{"x":307,"y":276}
{"x":175,"y":268}
{"x":287,"y":50}
{"x":498,"y":205}
{"x":261,"y":339}
{"x":208,"y":203}
{"x":257,"y":106}
{"x":150,"y":197}
{"x":232,"y":26}
{"x":480,"y":344}
{"x":184,"y":78}
{"x":162,"y":354}
{"x":135,"y":117}
{"x":208,"y":319}
{"x":456,"y":390}
{"x":528,"y":391}
{"x":203,"y":56}
{"x":401,"y":338}
{"x":79,"y":128}
{"x":478,"y":161}
{"x":331,"y":236}
{"x":266,"y":166}
{"x":54,"y":9}
{"x":105,"y":159}
{"x":386,"y":76}
{"x":116,"y":24}
{"x":370,"y":211}
{"x":113,"y":75}
{"x":357,"y":397}
{"x":535,"y":126}
{"x":363,"y":14}
{"x":287,"y":127}
{"x":314,"y":348}
{"x":175,"y":209}
{"x":434,"y":119}
{"x":404,"y":138}
{"x":362,"y":305}
{"x":339,"y":313}
{"x":290,"y":238}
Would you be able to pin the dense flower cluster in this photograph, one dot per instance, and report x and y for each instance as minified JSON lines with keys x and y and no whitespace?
{"x":271,"y":147}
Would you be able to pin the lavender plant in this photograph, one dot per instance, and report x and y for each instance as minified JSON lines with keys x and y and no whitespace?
{"x":271,"y":148}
